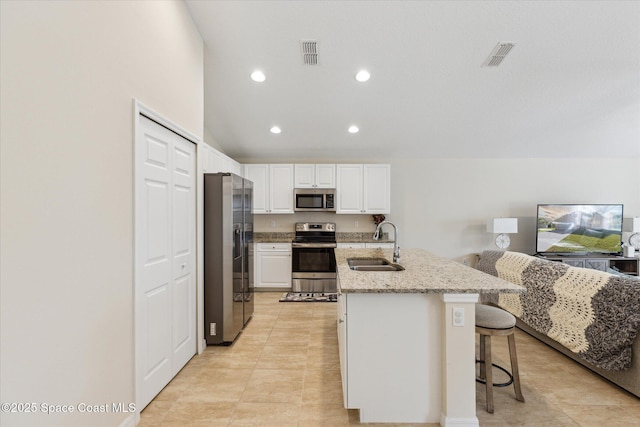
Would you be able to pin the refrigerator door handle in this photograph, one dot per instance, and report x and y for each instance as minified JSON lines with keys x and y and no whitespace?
{"x":237,"y":242}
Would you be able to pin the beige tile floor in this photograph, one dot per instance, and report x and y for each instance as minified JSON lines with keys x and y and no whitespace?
{"x":283,"y":370}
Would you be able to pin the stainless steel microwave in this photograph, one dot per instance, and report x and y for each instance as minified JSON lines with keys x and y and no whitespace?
{"x":314,"y":199}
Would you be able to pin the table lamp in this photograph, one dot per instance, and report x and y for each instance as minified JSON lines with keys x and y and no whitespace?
{"x":502,"y":226}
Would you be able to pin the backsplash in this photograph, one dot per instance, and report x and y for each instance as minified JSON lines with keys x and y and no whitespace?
{"x":349,"y":237}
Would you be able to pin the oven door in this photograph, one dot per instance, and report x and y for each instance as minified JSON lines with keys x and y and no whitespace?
{"x":313,"y":261}
{"x":313,"y":269}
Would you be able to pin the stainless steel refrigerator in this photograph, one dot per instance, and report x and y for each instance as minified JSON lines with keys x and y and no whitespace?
{"x":228,"y":267}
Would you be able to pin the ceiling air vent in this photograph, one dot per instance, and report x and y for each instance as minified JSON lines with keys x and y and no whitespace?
{"x":309,"y":51}
{"x":498,"y":54}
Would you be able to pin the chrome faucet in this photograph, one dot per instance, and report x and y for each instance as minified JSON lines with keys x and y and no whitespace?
{"x":396,"y":248}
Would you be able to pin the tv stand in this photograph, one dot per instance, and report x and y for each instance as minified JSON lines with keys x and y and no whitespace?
{"x":624,"y":265}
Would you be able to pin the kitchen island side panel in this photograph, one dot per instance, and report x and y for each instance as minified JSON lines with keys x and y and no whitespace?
{"x":394,"y":358}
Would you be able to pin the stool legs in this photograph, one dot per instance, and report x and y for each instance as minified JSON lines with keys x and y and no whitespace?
{"x":486,"y":371}
{"x":514,"y":367}
{"x":486,"y":363}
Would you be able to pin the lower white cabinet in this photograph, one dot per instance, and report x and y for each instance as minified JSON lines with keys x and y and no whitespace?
{"x":378,"y":245}
{"x":349,"y":245}
{"x":273,"y":265}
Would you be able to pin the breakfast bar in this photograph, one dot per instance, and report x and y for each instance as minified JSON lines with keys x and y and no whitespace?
{"x":407,"y":338}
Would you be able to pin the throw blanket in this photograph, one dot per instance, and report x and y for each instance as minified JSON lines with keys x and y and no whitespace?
{"x":592,"y":313}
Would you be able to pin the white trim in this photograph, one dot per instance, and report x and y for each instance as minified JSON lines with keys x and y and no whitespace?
{"x":131,"y":420}
{"x":464,"y":298}
{"x":140,"y":109}
{"x":454,"y":422}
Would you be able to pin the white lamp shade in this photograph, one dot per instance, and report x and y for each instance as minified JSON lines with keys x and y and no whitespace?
{"x":502,"y":225}
{"x":635,"y":225}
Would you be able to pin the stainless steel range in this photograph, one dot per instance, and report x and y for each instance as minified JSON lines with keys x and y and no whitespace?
{"x":313,"y":258}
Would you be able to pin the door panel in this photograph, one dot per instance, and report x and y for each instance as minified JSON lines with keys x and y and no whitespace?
{"x":157,"y":360}
{"x":165,"y":257}
{"x":184,"y":242}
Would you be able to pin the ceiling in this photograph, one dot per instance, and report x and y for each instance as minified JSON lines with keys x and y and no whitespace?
{"x":569,"y":88}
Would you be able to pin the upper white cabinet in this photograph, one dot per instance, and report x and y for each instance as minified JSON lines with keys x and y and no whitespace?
{"x":272,"y":187}
{"x":214,"y":161}
{"x":315,"y":176}
{"x":363,"y":188}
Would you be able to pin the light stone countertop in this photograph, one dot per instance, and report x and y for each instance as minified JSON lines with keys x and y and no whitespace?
{"x":281,"y":237}
{"x":424,"y":273}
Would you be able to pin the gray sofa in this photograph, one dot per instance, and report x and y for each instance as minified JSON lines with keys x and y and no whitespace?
{"x":591,"y":316}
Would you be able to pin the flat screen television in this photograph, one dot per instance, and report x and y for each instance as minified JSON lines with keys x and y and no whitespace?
{"x":579,"y":229}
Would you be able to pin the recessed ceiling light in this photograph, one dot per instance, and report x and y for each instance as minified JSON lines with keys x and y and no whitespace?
{"x":363,"y":76}
{"x":276,"y":129}
{"x":258,"y":76}
{"x":353,"y":129}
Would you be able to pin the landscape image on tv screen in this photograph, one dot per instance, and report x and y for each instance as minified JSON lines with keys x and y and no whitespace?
{"x":579,"y":229}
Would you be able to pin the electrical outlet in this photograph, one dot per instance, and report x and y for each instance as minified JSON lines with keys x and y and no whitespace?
{"x":458,"y":316}
{"x":273,"y":224}
{"x":212,"y":329}
{"x":357,"y":224}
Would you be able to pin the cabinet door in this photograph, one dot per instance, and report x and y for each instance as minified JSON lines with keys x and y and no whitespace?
{"x":377,"y":191}
{"x":379,"y":245}
{"x":305,"y":176}
{"x":273,"y":269}
{"x":349,"y":189}
{"x":203,"y":156}
{"x":574,"y":262}
{"x":351,"y":245}
{"x":216,"y":163}
{"x":259,"y":175}
{"x":342,"y":344}
{"x":325,"y":176}
{"x":597,"y":264}
{"x":281,"y":188}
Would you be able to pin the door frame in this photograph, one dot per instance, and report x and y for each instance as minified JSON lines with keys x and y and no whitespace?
{"x":139,"y":109}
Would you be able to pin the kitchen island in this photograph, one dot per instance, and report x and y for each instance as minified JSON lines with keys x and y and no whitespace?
{"x":407,"y":338}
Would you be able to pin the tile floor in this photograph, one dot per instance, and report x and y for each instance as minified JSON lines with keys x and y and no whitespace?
{"x":283,"y":370}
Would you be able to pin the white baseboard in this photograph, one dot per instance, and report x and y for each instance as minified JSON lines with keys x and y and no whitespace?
{"x":458,"y":422}
{"x":131,"y":420}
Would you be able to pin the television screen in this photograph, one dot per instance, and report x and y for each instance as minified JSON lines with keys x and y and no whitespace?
{"x":579,"y":229}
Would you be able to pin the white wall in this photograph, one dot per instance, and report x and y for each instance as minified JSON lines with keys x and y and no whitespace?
{"x":70,"y":71}
{"x":442,"y":205}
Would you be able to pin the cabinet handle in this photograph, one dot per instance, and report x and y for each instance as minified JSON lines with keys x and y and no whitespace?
{"x":340,"y":321}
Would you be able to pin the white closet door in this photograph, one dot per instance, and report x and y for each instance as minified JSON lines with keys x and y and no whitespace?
{"x":183,"y":252}
{"x":165,"y":257}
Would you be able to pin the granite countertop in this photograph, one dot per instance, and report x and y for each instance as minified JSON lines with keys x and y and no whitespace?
{"x":424,"y":273}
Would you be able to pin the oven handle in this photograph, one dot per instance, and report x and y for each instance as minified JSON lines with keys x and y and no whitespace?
{"x":314,"y":245}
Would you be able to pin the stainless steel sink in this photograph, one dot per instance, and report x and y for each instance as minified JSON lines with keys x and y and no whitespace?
{"x":373,"y":264}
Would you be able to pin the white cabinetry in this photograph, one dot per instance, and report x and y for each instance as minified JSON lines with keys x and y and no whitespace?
{"x":273,"y":265}
{"x":214,"y":161}
{"x":315,"y":176}
{"x":391,"y":368}
{"x":379,"y":245}
{"x":363,"y":188}
{"x":362,"y":245}
{"x":349,"y":245}
{"x":342,"y":345}
{"x":272,"y":187}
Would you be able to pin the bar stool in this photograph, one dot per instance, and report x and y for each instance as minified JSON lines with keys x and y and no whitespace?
{"x":493,"y":321}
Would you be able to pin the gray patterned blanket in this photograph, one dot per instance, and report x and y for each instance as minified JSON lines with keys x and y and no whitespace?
{"x":592,"y":313}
